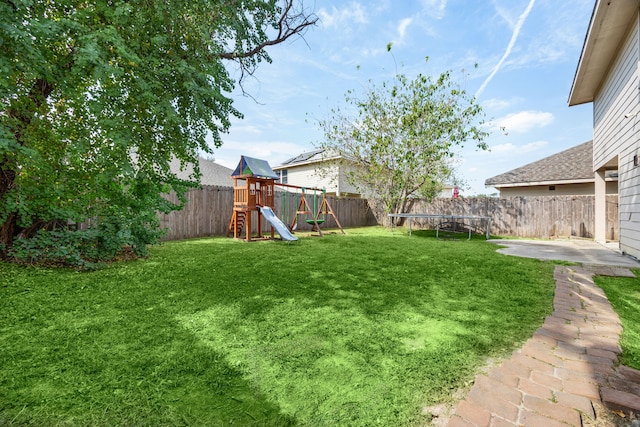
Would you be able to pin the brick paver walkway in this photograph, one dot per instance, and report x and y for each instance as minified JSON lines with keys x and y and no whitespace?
{"x":553,"y":379}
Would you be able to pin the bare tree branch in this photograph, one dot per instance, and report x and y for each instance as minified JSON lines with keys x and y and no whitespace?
{"x":288,"y":25}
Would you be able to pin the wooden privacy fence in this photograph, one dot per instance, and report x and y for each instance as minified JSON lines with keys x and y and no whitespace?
{"x":350,"y":211}
{"x":208,"y":211}
{"x":542,"y":217}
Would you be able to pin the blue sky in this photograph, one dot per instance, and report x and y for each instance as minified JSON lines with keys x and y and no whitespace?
{"x":526,"y":50}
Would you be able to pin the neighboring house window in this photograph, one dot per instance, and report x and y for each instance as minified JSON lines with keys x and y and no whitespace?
{"x":282,"y":176}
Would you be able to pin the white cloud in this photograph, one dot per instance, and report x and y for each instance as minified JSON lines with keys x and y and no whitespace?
{"x":556,"y":39}
{"x":560,"y":36}
{"x":402,"y":28}
{"x":245,"y":128}
{"x":435,"y":8}
{"x":369,"y":53}
{"x":512,"y":148}
{"x":345,"y":56}
{"x":499,"y":104}
{"x":271,"y":150}
{"x":524,"y":121}
{"x":353,"y":13}
{"x":507,"y":14}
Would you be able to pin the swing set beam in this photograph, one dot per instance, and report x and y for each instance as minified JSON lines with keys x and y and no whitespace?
{"x":279,"y":184}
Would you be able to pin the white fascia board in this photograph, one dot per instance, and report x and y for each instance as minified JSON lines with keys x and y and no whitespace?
{"x":535,"y":183}
{"x":307,"y":162}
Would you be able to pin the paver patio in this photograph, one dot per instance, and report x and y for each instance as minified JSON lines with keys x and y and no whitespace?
{"x":568,"y":364}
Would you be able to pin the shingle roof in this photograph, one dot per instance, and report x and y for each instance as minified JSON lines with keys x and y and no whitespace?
{"x":315,"y":156}
{"x":212,"y":173}
{"x":573,"y":164}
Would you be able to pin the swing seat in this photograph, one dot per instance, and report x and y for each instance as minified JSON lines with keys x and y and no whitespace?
{"x":317,"y":221}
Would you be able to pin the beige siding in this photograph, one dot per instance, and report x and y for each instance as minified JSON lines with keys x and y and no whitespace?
{"x":344,"y":186}
{"x":446,"y":192}
{"x":310,"y":175}
{"x":561,"y":190}
{"x":630,"y":206}
{"x":306,"y":176}
{"x":617,"y":98}
{"x":616,"y":138}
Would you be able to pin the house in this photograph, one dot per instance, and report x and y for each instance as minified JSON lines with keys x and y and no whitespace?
{"x":315,"y":169}
{"x":448,"y":191}
{"x":569,"y":172}
{"x":212,"y":173}
{"x":607,"y":76}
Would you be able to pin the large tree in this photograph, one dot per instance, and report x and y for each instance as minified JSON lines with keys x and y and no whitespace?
{"x":398,"y":139}
{"x":97,"y":97}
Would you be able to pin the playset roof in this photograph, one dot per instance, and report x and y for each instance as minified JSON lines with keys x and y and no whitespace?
{"x":248,"y":167}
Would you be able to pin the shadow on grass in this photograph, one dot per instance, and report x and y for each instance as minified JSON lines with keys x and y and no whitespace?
{"x":417,"y":313}
{"x":360,"y":329}
{"x":102,"y":354}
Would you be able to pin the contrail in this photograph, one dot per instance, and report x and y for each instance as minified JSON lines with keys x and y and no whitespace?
{"x":512,"y":42}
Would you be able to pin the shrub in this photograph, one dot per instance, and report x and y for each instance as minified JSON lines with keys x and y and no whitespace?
{"x":84,"y":249}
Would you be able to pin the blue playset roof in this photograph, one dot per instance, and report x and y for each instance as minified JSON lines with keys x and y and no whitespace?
{"x":253,"y":168}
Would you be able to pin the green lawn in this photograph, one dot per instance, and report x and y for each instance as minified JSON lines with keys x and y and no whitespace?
{"x":624,"y":295}
{"x":362,"y":329}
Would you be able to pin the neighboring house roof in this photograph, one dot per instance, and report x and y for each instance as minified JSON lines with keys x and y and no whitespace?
{"x":257,"y":168}
{"x":212,"y":173}
{"x":567,"y":167}
{"x":609,"y":23}
{"x":309,"y":156}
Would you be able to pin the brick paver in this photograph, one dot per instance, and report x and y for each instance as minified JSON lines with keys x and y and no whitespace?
{"x":567,"y":364}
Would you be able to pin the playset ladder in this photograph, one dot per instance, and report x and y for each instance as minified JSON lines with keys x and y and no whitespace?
{"x":237,"y":223}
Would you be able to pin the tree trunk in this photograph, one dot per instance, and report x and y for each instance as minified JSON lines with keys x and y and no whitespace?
{"x":40,"y":91}
{"x":8,"y":227}
{"x":7,"y":233}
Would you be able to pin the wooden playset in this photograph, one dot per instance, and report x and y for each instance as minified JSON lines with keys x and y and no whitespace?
{"x":253,"y":187}
{"x":254,"y":184}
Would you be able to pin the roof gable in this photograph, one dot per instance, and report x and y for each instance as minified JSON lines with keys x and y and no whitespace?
{"x":214,"y":173}
{"x":309,"y":157}
{"x":573,"y":164}
{"x":609,"y":24}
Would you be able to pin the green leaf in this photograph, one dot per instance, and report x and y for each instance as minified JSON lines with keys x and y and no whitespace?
{"x":401,"y":136}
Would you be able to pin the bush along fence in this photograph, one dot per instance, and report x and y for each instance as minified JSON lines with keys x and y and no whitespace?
{"x":208,"y":211}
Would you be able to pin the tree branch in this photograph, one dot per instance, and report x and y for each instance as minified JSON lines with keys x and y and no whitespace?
{"x":288,"y":25}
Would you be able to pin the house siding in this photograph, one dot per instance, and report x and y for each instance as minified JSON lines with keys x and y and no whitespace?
{"x":616,"y":98}
{"x":307,"y":176}
{"x":561,"y":190}
{"x":345,"y":187}
{"x":616,"y":138}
